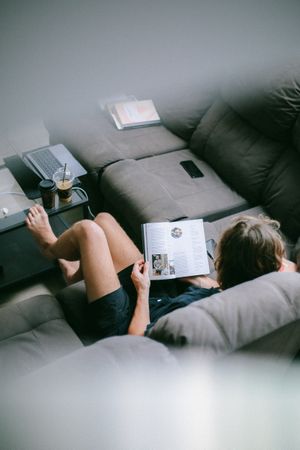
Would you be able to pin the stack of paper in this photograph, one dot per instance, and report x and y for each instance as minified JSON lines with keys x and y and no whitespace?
{"x":130,"y":114}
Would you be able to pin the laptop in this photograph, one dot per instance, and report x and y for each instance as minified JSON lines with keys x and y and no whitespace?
{"x":46,"y":160}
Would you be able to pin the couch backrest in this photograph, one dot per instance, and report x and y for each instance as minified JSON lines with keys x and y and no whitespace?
{"x":238,"y":152}
{"x":269,"y":100}
{"x":182,"y":112}
{"x":281,"y":194}
{"x":262,"y":315}
{"x":251,"y":137}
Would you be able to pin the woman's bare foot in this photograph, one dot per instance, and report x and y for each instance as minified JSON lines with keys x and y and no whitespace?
{"x":38,"y":224}
{"x":71,"y":270}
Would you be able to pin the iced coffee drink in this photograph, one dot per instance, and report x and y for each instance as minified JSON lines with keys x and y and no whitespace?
{"x":64,"y":183}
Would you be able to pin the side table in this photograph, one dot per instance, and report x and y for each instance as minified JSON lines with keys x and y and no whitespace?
{"x":20,"y":257}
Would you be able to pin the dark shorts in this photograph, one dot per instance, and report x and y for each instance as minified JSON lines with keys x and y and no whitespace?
{"x":111,"y":315}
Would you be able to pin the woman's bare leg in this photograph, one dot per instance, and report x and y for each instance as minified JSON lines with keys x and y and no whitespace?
{"x":123,"y":251}
{"x":86,"y":241}
{"x":37,"y":217}
{"x":71,"y":271}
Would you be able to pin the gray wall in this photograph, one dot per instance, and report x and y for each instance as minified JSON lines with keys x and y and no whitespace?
{"x":65,"y":54}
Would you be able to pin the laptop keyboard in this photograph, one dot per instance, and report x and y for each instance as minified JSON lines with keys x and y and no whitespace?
{"x":45,"y":162}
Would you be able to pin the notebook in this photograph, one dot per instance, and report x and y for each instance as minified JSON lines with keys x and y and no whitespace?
{"x":132,"y":114}
{"x":46,"y":160}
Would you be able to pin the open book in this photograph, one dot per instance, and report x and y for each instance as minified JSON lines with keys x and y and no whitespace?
{"x":175,"y":249}
{"x":130,"y":114}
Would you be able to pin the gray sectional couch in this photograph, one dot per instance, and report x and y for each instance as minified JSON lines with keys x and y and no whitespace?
{"x":244,"y":137}
{"x":263,"y":320}
{"x":246,"y":141}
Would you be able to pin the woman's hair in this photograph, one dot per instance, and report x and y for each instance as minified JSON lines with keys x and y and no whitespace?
{"x":249,"y":248}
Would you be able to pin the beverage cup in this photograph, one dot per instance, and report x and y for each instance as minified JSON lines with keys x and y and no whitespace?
{"x":63,"y":179}
{"x":47,"y":189}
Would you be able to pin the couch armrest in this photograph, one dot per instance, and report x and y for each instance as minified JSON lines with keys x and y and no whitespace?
{"x":236,"y":317}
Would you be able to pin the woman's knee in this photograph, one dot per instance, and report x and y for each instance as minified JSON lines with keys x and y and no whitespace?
{"x":105,"y":218}
{"x":87,"y":229}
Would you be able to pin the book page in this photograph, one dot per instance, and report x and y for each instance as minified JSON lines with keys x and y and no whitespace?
{"x":175,"y":249}
{"x":158,"y":250}
{"x":190,"y":257}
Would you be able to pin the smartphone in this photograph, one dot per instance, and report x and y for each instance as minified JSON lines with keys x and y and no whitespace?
{"x":210,"y":248}
{"x":191,"y":168}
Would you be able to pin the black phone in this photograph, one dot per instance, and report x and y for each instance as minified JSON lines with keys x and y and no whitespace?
{"x":191,"y":168}
{"x":210,"y":248}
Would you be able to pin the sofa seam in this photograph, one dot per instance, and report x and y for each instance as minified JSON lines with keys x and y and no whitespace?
{"x":25,"y":317}
{"x":213,"y":129}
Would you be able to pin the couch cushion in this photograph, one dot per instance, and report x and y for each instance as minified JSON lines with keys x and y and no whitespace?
{"x":96,"y":142}
{"x":182,"y":113}
{"x":110,"y":357}
{"x":33,"y":333}
{"x":281,"y":196}
{"x":142,"y":195}
{"x":158,"y":189}
{"x":239,"y":153}
{"x":236,"y":317}
{"x":74,"y":303}
{"x":214,"y":229}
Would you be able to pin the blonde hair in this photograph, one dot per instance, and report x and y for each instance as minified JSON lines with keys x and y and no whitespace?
{"x":249,"y":248}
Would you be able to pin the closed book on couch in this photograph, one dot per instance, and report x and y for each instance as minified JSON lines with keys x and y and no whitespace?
{"x":135,"y":113}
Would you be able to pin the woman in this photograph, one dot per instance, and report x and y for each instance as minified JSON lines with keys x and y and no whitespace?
{"x":117,"y":277}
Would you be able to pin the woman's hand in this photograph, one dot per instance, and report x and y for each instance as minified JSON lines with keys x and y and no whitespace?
{"x":140,"y":276}
{"x":141,"y":315}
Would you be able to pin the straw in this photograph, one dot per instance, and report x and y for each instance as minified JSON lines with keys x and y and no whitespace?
{"x":64,"y":175}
